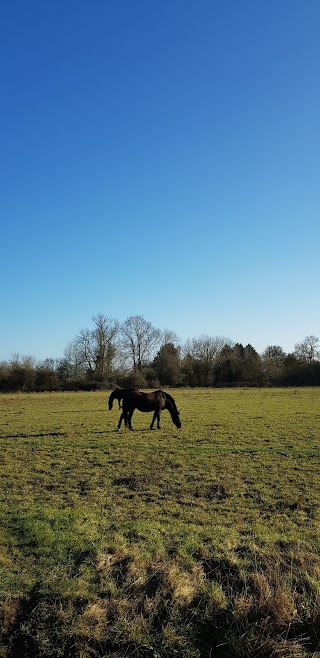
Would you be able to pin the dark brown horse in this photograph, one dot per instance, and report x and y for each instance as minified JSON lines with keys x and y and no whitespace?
{"x":118,"y":394}
{"x":156,"y":402}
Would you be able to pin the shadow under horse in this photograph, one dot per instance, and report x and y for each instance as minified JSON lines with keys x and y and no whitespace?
{"x":156,"y":401}
{"x":118,"y":394}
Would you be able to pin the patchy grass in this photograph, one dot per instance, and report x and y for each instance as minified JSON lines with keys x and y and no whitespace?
{"x":196,"y":542}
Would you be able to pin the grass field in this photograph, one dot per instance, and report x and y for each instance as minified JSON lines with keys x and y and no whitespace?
{"x":193,"y":543}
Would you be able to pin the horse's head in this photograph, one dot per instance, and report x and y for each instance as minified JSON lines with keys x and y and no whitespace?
{"x":110,"y":401}
{"x":172,"y":408}
{"x":176,"y":419}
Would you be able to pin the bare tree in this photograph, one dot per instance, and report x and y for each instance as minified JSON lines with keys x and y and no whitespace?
{"x":85,"y":346}
{"x":104,"y":334}
{"x":307,"y":349}
{"x":22,"y":372}
{"x":273,"y":359}
{"x":139,"y":340}
{"x":71,"y":365}
{"x":205,"y":350}
{"x":168,"y":336}
{"x":96,"y":348}
{"x":274,"y":353}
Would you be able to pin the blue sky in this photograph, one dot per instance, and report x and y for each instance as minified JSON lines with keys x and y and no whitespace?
{"x":159,"y":158}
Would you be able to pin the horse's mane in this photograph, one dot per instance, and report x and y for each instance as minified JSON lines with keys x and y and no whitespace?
{"x":119,"y":394}
{"x":171,"y":399}
{"x":122,"y":391}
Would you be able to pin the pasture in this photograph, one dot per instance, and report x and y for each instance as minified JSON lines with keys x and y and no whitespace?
{"x":198,"y":542}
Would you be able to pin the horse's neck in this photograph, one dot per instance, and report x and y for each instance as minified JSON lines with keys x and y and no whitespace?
{"x":114,"y":396}
{"x":170,"y":406}
{"x":170,"y":403}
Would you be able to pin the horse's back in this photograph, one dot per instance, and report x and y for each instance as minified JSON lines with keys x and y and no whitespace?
{"x":144,"y":401}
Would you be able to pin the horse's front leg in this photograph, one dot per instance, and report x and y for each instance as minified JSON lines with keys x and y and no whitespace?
{"x":122,"y":417}
{"x":156,"y":415}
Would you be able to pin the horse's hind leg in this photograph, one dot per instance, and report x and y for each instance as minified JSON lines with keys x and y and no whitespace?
{"x":128,"y":423}
{"x":153,"y":419}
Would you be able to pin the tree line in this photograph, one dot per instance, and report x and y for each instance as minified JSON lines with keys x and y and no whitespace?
{"x":137,"y":354}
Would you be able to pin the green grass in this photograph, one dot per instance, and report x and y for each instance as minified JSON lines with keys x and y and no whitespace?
{"x":196,"y":542}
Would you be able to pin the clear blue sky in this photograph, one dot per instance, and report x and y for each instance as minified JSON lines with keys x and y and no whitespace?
{"x":159,"y":158}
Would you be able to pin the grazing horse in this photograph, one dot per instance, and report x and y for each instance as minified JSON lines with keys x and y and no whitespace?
{"x":118,"y":394}
{"x":156,"y":402}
